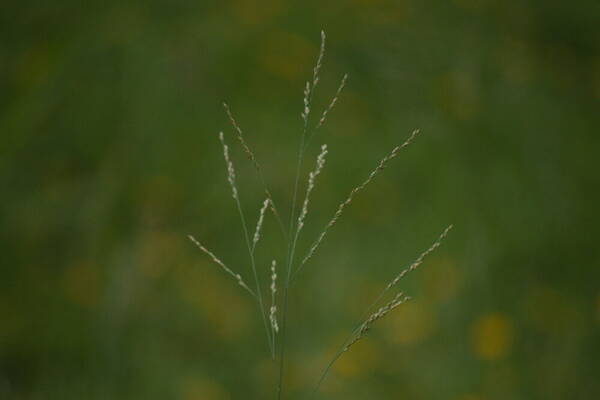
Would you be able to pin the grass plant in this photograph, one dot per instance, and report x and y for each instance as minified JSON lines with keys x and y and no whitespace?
{"x":275,"y":317}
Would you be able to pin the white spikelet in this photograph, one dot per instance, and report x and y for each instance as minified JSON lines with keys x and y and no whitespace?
{"x":306,"y":101}
{"x":230,"y":169}
{"x":311,"y":184}
{"x":309,"y":88}
{"x":319,"y":60}
{"x":273,"y":310}
{"x":259,"y":223}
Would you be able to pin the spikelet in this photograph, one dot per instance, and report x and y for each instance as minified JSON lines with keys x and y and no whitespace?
{"x":306,"y":102}
{"x":311,"y":184}
{"x":259,"y":223}
{"x":230,"y":169}
{"x":273,"y":310}
{"x":220,"y":263}
{"x":342,"y":206}
{"x":366,"y":326}
{"x":309,"y":88}
{"x":420,"y":259}
{"x":240,"y":136}
{"x":333,"y":102}
{"x":319,"y":60}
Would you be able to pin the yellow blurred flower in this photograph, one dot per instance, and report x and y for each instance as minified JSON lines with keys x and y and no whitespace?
{"x":202,"y":389}
{"x":411,"y":323}
{"x":81,"y":283}
{"x":492,"y":336}
{"x":286,"y":55}
{"x":252,"y":13}
{"x":469,"y":397}
{"x":552,"y":311}
{"x":360,"y":360}
{"x":220,"y":301}
{"x":443,"y":280}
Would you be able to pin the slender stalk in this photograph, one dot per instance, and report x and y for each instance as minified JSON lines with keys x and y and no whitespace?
{"x":308,"y":96}
{"x":290,"y":257}
{"x":359,"y":332}
{"x":344,"y":347}
{"x":255,"y":274}
{"x":236,"y":197}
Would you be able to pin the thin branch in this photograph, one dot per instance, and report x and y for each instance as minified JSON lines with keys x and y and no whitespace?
{"x":257,"y":167}
{"x":220,"y":263}
{"x":362,"y":328}
{"x":234,"y":191}
{"x":343,"y":205}
{"x":328,"y":109}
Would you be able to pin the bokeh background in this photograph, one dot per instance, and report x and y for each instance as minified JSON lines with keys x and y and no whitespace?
{"x":109,"y":157}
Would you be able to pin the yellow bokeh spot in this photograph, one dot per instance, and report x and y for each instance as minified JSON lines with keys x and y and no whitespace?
{"x":443,"y":280}
{"x":361,"y":359}
{"x":81,"y":283}
{"x":458,"y":93}
{"x":159,"y":198}
{"x":156,"y":251}
{"x":551,"y":311}
{"x":514,"y":59}
{"x":202,"y":389}
{"x":492,"y":336}
{"x":596,"y":78}
{"x":474,"y":5}
{"x":12,"y":320}
{"x":256,"y":13}
{"x":469,"y":397}
{"x":223,"y":304}
{"x":381,"y":11}
{"x":35,"y":65}
{"x":410,"y":323}
{"x":287,"y":55}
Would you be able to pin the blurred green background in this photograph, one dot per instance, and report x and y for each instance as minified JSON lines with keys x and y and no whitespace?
{"x":109,"y":157}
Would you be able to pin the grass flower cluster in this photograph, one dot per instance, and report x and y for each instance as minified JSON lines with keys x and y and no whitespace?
{"x":275,"y":317}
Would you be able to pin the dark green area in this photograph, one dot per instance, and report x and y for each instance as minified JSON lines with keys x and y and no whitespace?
{"x":109,"y":157}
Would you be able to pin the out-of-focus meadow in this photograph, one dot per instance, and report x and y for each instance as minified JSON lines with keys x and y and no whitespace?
{"x":109,"y":157}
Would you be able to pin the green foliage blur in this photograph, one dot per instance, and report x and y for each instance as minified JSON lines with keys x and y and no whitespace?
{"x":109,"y":157}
